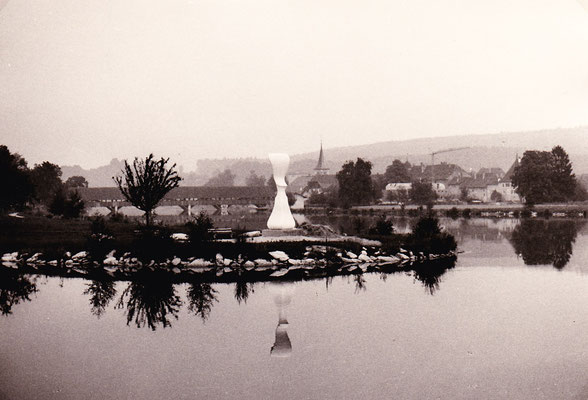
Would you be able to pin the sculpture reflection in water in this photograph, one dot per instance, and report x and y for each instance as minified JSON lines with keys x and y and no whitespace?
{"x":101,"y":293}
{"x":150,"y":302}
{"x":14,"y":288}
{"x":541,"y":242}
{"x":282,"y":293}
{"x":201,"y":297}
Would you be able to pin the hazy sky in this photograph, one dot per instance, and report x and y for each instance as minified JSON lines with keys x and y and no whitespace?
{"x":83,"y":81}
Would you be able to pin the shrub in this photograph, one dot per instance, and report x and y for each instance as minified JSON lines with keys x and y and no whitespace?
{"x":152,"y":243}
{"x":428,"y":237}
{"x":198,"y":229}
{"x":526,"y":212}
{"x":117,"y":217}
{"x":98,"y":226}
{"x":382,"y":227}
{"x":453,"y":213}
{"x":68,"y":206}
{"x":100,"y":241}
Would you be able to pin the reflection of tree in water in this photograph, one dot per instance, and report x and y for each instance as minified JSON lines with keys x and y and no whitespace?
{"x":201,"y":297}
{"x":150,"y":302}
{"x":242,"y":291}
{"x":360,"y":284}
{"x":545,"y":242}
{"x":429,"y":274}
{"x":101,"y":292}
{"x":14,"y":288}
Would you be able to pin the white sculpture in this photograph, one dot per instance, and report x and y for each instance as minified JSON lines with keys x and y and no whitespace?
{"x":281,"y":217}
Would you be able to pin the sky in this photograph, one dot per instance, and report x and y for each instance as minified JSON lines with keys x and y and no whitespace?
{"x":82,"y":82}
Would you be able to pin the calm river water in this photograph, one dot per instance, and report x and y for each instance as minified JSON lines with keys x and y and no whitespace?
{"x":510,"y":321}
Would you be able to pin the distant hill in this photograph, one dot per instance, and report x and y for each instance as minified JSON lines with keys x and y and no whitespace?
{"x":102,"y":176}
{"x":490,"y":150}
{"x":96,"y":177}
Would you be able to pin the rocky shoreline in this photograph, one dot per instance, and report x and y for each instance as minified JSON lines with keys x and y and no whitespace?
{"x":318,"y":260}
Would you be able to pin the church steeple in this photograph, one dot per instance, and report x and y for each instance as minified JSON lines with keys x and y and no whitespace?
{"x":320,"y":166}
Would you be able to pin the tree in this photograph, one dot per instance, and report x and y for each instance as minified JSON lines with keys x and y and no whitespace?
{"x":74,"y":205}
{"x":496,"y":196}
{"x":464,"y":194}
{"x":198,"y":229}
{"x":397,"y":172}
{"x":422,"y":193}
{"x":46,"y":179}
{"x":76,"y":182}
{"x":355,"y":183}
{"x":146,"y":182}
{"x":254,"y":180}
{"x":563,"y":179}
{"x":16,"y":187}
{"x":379,"y":184}
{"x":225,"y":178}
{"x":544,"y":176}
{"x":400,"y":195}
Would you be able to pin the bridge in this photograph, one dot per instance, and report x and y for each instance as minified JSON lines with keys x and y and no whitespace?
{"x":187,"y":197}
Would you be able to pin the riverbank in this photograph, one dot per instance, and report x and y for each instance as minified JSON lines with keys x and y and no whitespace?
{"x":127,"y":251}
{"x":319,"y":261}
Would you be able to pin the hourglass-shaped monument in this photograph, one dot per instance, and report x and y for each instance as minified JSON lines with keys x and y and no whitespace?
{"x":281,"y":217}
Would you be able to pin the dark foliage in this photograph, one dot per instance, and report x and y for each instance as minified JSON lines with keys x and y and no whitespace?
{"x":150,"y":302}
{"x":383,"y":227}
{"x":101,"y":239}
{"x":76,"y":182}
{"x":430,"y":274}
{"x":242,"y":290}
{"x":67,"y":204}
{"x":496,"y":196}
{"x":422,"y":193}
{"x":544,"y":177}
{"x":14,"y":174}
{"x":428,"y":237}
{"x":398,"y":172}
{"x":541,"y":242}
{"x":46,"y":179}
{"x":14,"y":288}
{"x":201,"y":298}
{"x":563,"y":178}
{"x":379,"y":184}
{"x":453,"y":213}
{"x":101,"y":293}
{"x":355,"y":183}
{"x":153,"y":243}
{"x":198,"y":229}
{"x":401,"y":196}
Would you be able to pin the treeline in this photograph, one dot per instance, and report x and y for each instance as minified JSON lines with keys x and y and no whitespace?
{"x":540,"y":177}
{"x":39,"y":187}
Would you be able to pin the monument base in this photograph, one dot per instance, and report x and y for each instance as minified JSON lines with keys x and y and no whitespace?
{"x":282,"y":232}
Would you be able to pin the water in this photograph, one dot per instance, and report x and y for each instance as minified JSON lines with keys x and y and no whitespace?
{"x":500,"y":325}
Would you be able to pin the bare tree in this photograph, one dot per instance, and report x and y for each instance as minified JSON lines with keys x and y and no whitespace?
{"x":146,"y":182}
